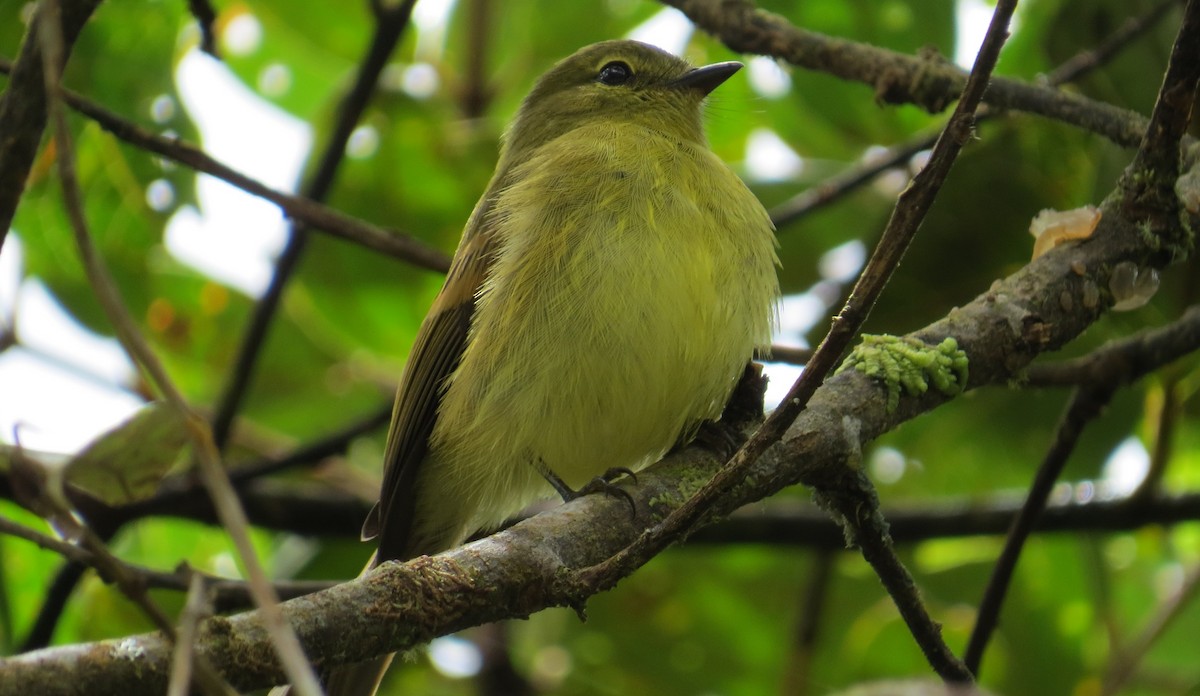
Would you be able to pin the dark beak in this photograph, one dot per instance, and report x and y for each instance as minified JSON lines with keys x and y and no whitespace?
{"x":708,"y":78}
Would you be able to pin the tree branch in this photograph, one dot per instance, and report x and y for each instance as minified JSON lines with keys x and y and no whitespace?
{"x":1086,"y":405}
{"x":1126,"y":359}
{"x":838,"y":185}
{"x":1149,"y":185}
{"x":930,"y":82}
{"x":392,"y":243}
{"x":23,"y":105}
{"x":389,"y":26}
{"x":1002,"y":330}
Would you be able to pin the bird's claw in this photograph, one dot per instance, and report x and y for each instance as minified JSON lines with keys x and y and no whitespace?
{"x":601,"y":484}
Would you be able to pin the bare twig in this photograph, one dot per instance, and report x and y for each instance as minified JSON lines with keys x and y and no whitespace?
{"x":1125,"y":663}
{"x":1086,"y":404}
{"x":1169,"y":413}
{"x":1149,"y":184}
{"x":205,"y":15}
{"x":790,"y":355}
{"x":929,"y":82}
{"x":392,"y":243}
{"x":50,"y":36}
{"x":1126,"y":359}
{"x":44,"y":496}
{"x":330,"y":445}
{"x":183,"y":497}
{"x":476,"y":95}
{"x":389,"y":26}
{"x":837,"y":186}
{"x":1085,"y":61}
{"x":195,"y":610}
{"x":135,"y":345}
{"x":23,"y":104}
{"x":798,"y":675}
{"x":226,"y":593}
{"x":808,"y":528}
{"x":45,"y":541}
{"x":54,"y":604}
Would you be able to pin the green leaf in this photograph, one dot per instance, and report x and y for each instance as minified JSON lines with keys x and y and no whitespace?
{"x":126,"y":464}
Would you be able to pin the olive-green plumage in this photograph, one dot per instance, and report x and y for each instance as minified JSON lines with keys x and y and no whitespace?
{"x":610,"y":286}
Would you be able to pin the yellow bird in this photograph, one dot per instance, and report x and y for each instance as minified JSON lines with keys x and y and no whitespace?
{"x":609,"y":288}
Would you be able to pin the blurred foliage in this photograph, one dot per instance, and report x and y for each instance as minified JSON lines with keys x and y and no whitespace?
{"x":699,"y":619}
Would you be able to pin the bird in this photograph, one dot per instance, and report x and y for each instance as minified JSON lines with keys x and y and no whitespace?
{"x":610,"y":286}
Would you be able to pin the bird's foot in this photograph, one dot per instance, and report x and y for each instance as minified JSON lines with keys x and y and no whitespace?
{"x":601,"y":484}
{"x":719,"y":437}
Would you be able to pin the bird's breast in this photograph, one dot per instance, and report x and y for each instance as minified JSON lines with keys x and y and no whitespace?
{"x":617,"y":311}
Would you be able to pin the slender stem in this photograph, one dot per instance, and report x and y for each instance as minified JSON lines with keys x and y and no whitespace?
{"x":1086,"y":404}
{"x":389,"y":27}
{"x":390,"y":242}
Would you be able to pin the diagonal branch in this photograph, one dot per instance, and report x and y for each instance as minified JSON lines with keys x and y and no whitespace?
{"x":398,"y":245}
{"x":389,"y":26}
{"x":1086,"y":405}
{"x":23,"y":105}
{"x":233,"y":518}
{"x":838,"y":185}
{"x":1149,"y":185}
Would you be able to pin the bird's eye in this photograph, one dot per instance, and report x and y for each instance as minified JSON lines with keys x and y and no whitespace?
{"x":615,"y":73}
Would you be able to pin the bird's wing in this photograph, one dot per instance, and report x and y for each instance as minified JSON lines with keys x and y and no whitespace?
{"x":435,"y":354}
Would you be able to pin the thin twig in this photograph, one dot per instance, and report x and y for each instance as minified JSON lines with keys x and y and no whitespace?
{"x":53,"y":605}
{"x":312,"y":510}
{"x":233,"y":519}
{"x":1169,"y":413}
{"x":392,"y":243}
{"x":789,"y":354}
{"x":49,"y":34}
{"x":838,"y":185}
{"x":835,"y":187}
{"x":206,"y":16}
{"x":1125,"y":663}
{"x":808,"y":528}
{"x":45,"y":498}
{"x":1126,"y":359}
{"x":1086,"y":404}
{"x":476,"y":95}
{"x":1088,"y":60}
{"x":1149,"y":184}
{"x":389,"y":26}
{"x":330,"y":445}
{"x":284,"y":638}
{"x":797,"y":680}
{"x":226,"y":592}
{"x":194,"y":610}
{"x":927,"y":81}
{"x":183,"y":497}
{"x":23,"y":103}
